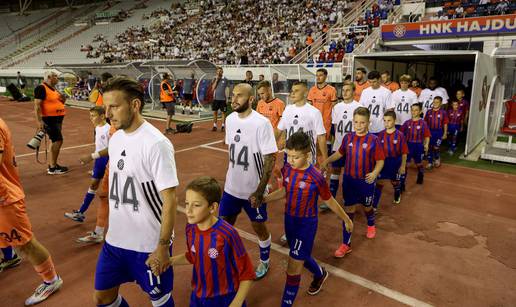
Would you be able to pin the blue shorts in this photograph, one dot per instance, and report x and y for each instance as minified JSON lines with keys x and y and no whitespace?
{"x":340,"y":163}
{"x":216,"y":301}
{"x":231,"y":206}
{"x":357,"y":191}
{"x":300,"y":232}
{"x":436,"y":137}
{"x":453,"y":129}
{"x":116,"y":266}
{"x":391,"y":168}
{"x":416,"y":151}
{"x":99,"y":167}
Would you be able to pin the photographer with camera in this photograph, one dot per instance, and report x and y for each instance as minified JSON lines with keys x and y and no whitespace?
{"x":50,"y":111}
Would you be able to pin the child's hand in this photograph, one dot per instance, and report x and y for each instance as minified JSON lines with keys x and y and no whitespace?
{"x":371,"y":177}
{"x":426,"y":149}
{"x":349,"y":225}
{"x":445,"y":136}
{"x":402,"y":170}
{"x":324,"y":166}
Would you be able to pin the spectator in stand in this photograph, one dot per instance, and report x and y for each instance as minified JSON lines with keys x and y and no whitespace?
{"x":459,"y":12}
{"x":340,"y":56}
{"x":501,"y":7}
{"x":322,"y":57}
{"x":333,"y":45}
{"x":309,"y":41}
{"x":350,"y":46}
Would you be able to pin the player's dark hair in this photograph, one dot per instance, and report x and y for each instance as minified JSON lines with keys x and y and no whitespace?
{"x":455,"y":101}
{"x":433,"y":79}
{"x":166,"y":76}
{"x":362,"y":69}
{"x":130,"y":88}
{"x":390,"y":113}
{"x":299,"y":141}
{"x":438,"y":98}
{"x":263,"y":83}
{"x":347,"y":77}
{"x":208,"y":187}
{"x":373,"y":75}
{"x":99,"y":110}
{"x":419,"y":105}
{"x":323,"y":70}
{"x":362,"y":111}
{"x":105,"y":76}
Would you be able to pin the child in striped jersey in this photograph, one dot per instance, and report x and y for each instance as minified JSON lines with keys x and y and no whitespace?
{"x":222,"y":270}
{"x":303,"y":184}
{"x":395,"y":149}
{"x":364,"y":162}
{"x":437,"y":120}
{"x":417,"y":133}
{"x":456,"y":125}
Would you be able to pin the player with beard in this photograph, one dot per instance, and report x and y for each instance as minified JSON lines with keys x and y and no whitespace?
{"x":252,"y":154}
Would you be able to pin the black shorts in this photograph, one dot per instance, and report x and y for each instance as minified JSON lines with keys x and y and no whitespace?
{"x":53,"y":126}
{"x":219,"y":105}
{"x":188,"y":97}
{"x":170,"y":106}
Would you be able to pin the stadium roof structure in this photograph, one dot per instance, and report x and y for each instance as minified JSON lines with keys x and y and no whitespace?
{"x":181,"y":69}
{"x":132,"y":69}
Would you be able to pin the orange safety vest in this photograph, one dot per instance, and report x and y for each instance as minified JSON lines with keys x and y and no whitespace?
{"x":164,"y":96}
{"x":52,"y":105}
{"x":100,"y":100}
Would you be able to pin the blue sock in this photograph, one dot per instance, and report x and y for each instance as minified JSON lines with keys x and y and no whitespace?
{"x":377,"y":195}
{"x":8,"y":253}
{"x":437,"y":153}
{"x":396,"y":184}
{"x":430,"y":156}
{"x":88,"y":198}
{"x":265,"y":249}
{"x":346,"y":236}
{"x":403,"y":178}
{"x":334,"y":184}
{"x":290,"y":291}
{"x":370,"y":217}
{"x":312,"y":266}
{"x":118,"y":302}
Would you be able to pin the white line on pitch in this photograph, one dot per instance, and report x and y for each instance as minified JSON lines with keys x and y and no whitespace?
{"x":66,"y":148}
{"x":199,"y":146}
{"x":371,"y":285}
{"x":214,"y":148}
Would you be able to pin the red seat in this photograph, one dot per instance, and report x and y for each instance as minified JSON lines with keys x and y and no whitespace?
{"x":509,"y":124}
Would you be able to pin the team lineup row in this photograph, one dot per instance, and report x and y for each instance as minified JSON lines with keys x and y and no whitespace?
{"x":140,"y":188}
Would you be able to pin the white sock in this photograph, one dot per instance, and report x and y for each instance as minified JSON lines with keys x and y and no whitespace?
{"x":334,"y":177}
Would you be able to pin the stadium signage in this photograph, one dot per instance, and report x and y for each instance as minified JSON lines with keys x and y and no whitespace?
{"x":488,"y":25}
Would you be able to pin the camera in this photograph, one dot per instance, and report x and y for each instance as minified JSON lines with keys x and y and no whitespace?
{"x":36,"y":140}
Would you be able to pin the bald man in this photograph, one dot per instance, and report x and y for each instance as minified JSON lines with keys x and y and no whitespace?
{"x":252,"y":152}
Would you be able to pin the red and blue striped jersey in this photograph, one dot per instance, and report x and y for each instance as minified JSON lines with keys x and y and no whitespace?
{"x":303,"y":188}
{"x":464,"y":105}
{"x":393,"y":144}
{"x":220,"y":261}
{"x":455,"y":117}
{"x":361,"y":154}
{"x":415,"y":131}
{"x":436,"y":119}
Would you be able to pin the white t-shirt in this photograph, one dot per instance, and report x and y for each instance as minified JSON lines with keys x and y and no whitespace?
{"x":249,"y":139}
{"x":141,"y":164}
{"x":342,"y":118}
{"x":101,"y":137}
{"x":307,"y":119}
{"x":402,"y":101}
{"x":427,"y":97}
{"x":377,"y":101}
